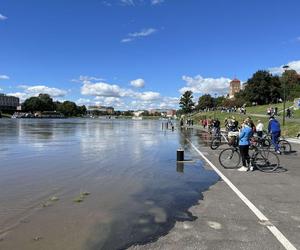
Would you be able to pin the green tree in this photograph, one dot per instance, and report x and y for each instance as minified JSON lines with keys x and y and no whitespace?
{"x":33,"y":104}
{"x":68,"y":108}
{"x":205,"y":101}
{"x":262,"y":88}
{"x":291,"y":82}
{"x":48,"y":102}
{"x":186,"y":102}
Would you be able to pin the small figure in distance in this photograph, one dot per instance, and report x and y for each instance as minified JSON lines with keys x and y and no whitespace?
{"x":259,"y":128}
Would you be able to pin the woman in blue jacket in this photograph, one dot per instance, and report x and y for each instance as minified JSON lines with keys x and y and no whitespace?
{"x":244,"y":143}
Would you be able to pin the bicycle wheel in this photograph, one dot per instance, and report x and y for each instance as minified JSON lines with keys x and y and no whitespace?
{"x":266,"y":143}
{"x":215,"y":143}
{"x":230,"y":158}
{"x":266,"y":161}
{"x":284,"y":146}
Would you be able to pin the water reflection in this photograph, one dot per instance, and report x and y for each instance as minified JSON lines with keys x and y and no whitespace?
{"x":138,"y":190}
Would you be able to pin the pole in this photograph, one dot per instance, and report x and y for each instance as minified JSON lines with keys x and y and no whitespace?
{"x":283,"y":118}
{"x":215,"y":105}
{"x":284,"y":94}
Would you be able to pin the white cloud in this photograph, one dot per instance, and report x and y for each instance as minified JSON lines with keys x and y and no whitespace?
{"x":102,"y":89}
{"x":38,"y":89}
{"x":122,"y":98}
{"x":148,"y":96}
{"x":128,"y":2}
{"x":155,"y":2}
{"x":136,"y":35}
{"x":4,"y":77}
{"x":30,"y":91}
{"x":295,"y":65}
{"x":2,"y":17}
{"x":127,"y":40}
{"x":200,"y":85}
{"x":23,"y":96}
{"x":83,"y":79}
{"x":1,"y":89}
{"x":138,"y":83}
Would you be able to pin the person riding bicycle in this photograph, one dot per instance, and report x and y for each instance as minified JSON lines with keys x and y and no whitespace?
{"x":246,"y":133}
{"x":274,"y":129}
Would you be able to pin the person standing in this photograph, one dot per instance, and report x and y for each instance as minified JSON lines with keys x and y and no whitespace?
{"x":259,"y":128}
{"x":274,"y":129}
{"x":244,"y":142}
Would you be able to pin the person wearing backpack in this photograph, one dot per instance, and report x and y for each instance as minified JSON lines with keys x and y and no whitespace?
{"x":274,"y":129}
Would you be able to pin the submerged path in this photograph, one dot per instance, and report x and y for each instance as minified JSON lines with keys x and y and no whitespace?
{"x":252,"y":210}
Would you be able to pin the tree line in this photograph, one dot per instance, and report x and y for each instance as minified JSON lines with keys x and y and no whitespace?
{"x":261,"y":88}
{"x":43,"y":102}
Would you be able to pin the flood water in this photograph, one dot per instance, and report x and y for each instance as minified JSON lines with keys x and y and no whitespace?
{"x":136,"y":189}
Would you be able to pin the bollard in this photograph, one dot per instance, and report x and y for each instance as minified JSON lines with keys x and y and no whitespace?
{"x":180,"y":154}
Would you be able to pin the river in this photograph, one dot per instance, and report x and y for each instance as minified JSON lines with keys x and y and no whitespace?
{"x":124,"y":172}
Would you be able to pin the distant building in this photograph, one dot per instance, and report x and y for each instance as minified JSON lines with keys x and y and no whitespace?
{"x":100,"y":110}
{"x":9,"y":102}
{"x":234,"y":87}
{"x":163,"y":112}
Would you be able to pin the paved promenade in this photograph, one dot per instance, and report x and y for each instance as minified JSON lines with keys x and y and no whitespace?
{"x":225,"y":220}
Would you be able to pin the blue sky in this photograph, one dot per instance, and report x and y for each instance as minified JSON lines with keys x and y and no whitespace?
{"x":135,"y":54}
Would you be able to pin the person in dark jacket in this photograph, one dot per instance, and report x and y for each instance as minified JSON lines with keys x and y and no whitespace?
{"x":274,"y":129}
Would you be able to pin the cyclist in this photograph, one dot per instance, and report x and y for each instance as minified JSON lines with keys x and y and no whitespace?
{"x":246,"y":133}
{"x":274,"y":129}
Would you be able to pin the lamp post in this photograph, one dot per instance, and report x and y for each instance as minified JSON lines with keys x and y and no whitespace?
{"x":215,"y":106}
{"x":284,"y":94}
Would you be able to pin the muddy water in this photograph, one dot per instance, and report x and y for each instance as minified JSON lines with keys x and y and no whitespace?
{"x":137,"y":191}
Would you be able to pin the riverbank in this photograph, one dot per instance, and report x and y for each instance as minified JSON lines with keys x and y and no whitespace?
{"x":226,"y":222}
{"x":291,"y":128}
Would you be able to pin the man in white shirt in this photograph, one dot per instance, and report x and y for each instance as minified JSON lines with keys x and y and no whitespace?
{"x":259,"y":128}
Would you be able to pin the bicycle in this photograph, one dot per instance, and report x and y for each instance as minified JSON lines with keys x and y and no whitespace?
{"x":262,"y":159}
{"x":231,"y":140}
{"x":217,"y":140}
{"x":266,"y":141}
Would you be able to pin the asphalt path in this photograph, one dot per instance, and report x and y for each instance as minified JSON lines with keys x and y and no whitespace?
{"x":245,"y":210}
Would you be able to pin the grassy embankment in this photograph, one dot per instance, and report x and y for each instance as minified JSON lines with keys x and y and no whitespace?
{"x":6,"y":115}
{"x":290,"y":129}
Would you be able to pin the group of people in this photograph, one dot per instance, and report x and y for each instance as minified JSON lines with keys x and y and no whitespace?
{"x":272,"y":111}
{"x":246,"y":132}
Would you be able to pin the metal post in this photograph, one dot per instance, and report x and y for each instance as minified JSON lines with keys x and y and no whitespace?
{"x":180,"y":154}
{"x":215,"y":105}
{"x":283,"y":118}
{"x":284,"y":94}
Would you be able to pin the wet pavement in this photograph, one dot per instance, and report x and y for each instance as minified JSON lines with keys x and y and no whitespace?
{"x":226,"y":222}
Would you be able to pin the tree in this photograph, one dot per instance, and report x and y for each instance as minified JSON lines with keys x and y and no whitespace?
{"x":33,"y":104}
{"x":291,"y":82}
{"x":48,"y":102}
{"x":186,"y":102}
{"x":205,"y":101}
{"x":262,"y":88}
{"x":68,"y":108}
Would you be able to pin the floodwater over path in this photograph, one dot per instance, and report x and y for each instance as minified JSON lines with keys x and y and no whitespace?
{"x":134,"y":189}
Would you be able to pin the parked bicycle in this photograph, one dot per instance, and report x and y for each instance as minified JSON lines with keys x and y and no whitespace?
{"x":229,"y":138}
{"x":262,"y":159}
{"x":266,"y":142}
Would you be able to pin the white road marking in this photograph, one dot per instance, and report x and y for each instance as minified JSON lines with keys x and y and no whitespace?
{"x":280,"y":237}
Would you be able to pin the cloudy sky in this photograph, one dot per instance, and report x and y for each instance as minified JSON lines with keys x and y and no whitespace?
{"x":136,"y":54}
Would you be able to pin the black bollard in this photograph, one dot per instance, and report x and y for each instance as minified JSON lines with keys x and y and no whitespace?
{"x":180,"y":154}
